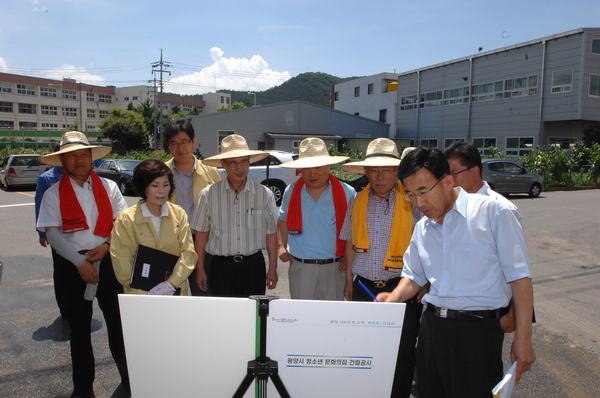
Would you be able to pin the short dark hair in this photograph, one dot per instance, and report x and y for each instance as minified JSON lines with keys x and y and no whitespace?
{"x":148,"y":171}
{"x":467,"y":153}
{"x":432,"y":159}
{"x":177,"y":125}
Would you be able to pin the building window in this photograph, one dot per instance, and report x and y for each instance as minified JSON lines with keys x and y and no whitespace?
{"x":383,"y":115}
{"x":69,"y":94}
{"x":135,"y":98}
{"x":519,"y":146}
{"x":409,"y":102}
{"x":47,"y":92}
{"x":562,"y":80}
{"x":50,"y":126}
{"x":90,"y":97}
{"x":91,"y":113}
{"x":222,"y":99}
{"x":595,"y":46}
{"x":357,"y":91}
{"x":484,"y":144}
{"x":450,"y":141}
{"x":7,"y":124}
{"x":25,"y":89}
{"x":6,"y":107}
{"x":27,"y":125}
{"x":296,"y":144}
{"x":187,"y":109}
{"x":429,"y":143}
{"x":336,"y":96}
{"x":102,"y":114}
{"x":562,"y":143}
{"x":125,"y":98}
{"x":5,"y":87}
{"x":27,"y":108}
{"x":48,"y":110}
{"x":91,"y":127}
{"x":370,"y":89}
{"x":594,"y":85}
{"x":105,"y":98}
{"x":227,"y":100}
{"x":72,"y":112}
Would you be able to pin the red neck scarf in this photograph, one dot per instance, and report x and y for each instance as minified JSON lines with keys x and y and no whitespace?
{"x":73,"y":217}
{"x":340,"y":203}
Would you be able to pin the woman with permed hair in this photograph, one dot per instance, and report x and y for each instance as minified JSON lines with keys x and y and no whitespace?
{"x":156,"y":223}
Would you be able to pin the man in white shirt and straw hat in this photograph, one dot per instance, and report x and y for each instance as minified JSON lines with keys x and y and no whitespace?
{"x":377,"y":230}
{"x":235,"y":219}
{"x":310,"y":219}
{"x":77,"y":216}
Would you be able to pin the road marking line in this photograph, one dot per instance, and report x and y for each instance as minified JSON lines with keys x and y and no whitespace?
{"x":28,"y":194}
{"x":21,"y":204}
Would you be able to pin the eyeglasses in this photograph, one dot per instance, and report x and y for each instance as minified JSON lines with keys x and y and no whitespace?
{"x":236,"y":163}
{"x":455,"y":173}
{"x":183,"y":144}
{"x":413,"y":196}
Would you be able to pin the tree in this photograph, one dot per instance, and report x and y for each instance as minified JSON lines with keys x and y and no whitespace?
{"x":126,"y":129}
{"x":235,"y":105}
{"x":175,"y":109}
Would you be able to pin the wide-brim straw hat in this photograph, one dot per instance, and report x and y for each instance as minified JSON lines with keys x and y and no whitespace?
{"x":74,"y":141}
{"x":313,"y":153}
{"x":234,"y":146}
{"x":381,"y":152}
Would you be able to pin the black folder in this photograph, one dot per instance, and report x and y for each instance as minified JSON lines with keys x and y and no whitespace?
{"x":151,"y":267}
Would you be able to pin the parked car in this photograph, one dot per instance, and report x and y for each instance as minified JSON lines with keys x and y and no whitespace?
{"x":267,"y":173}
{"x":120,"y":171}
{"x":506,"y":177}
{"x":21,"y":170}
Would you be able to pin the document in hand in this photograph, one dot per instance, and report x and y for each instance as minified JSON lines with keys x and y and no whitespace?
{"x":151,"y":267}
{"x":504,"y":389}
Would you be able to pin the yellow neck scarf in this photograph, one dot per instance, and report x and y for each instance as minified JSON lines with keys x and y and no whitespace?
{"x":400,"y":233}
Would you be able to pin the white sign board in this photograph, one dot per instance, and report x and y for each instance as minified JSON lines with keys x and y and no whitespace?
{"x":334,"y":348}
{"x":188,"y":346}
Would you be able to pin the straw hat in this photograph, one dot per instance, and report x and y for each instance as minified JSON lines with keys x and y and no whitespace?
{"x":234,"y":146}
{"x":381,"y":152}
{"x":313,"y":153}
{"x":74,"y":141}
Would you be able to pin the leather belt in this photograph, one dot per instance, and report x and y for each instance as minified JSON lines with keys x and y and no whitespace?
{"x":458,"y":314}
{"x":238,"y":258}
{"x":380,"y":284}
{"x":327,"y":261}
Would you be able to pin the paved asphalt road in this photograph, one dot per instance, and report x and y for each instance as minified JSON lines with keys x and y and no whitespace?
{"x":561,"y":228}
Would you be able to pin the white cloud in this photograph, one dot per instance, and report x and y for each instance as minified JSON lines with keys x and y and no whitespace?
{"x":229,"y":74}
{"x":73,"y":72}
{"x":3,"y":65}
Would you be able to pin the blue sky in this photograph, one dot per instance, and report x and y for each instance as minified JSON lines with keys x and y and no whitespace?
{"x":254,"y":45}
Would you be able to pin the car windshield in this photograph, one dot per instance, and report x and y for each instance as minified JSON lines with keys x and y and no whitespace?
{"x":26,"y":161}
{"x":129,"y":165}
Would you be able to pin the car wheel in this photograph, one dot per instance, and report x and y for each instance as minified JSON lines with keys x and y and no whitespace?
{"x":535,"y":190}
{"x":7,"y":187}
{"x":277,"y":188}
{"x":123,"y":187}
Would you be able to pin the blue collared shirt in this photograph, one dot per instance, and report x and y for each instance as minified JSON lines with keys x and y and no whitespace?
{"x":318,"y":239}
{"x":471,"y":258}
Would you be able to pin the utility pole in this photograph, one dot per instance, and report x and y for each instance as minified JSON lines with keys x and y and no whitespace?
{"x":160,"y":65}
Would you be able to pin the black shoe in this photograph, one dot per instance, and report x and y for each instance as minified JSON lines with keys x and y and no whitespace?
{"x":86,"y":394}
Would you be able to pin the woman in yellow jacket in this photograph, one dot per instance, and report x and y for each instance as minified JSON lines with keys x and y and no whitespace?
{"x":156,"y":223}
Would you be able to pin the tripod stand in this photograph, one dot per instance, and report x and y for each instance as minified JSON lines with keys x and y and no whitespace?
{"x":262,"y":367}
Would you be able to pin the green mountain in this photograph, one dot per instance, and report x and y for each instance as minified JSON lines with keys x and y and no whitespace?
{"x":314,"y":87}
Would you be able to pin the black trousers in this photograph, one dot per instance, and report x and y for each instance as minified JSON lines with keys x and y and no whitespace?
{"x":458,"y":358}
{"x":229,"y":278}
{"x":61,"y":286}
{"x":80,"y":317}
{"x":405,"y":361}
